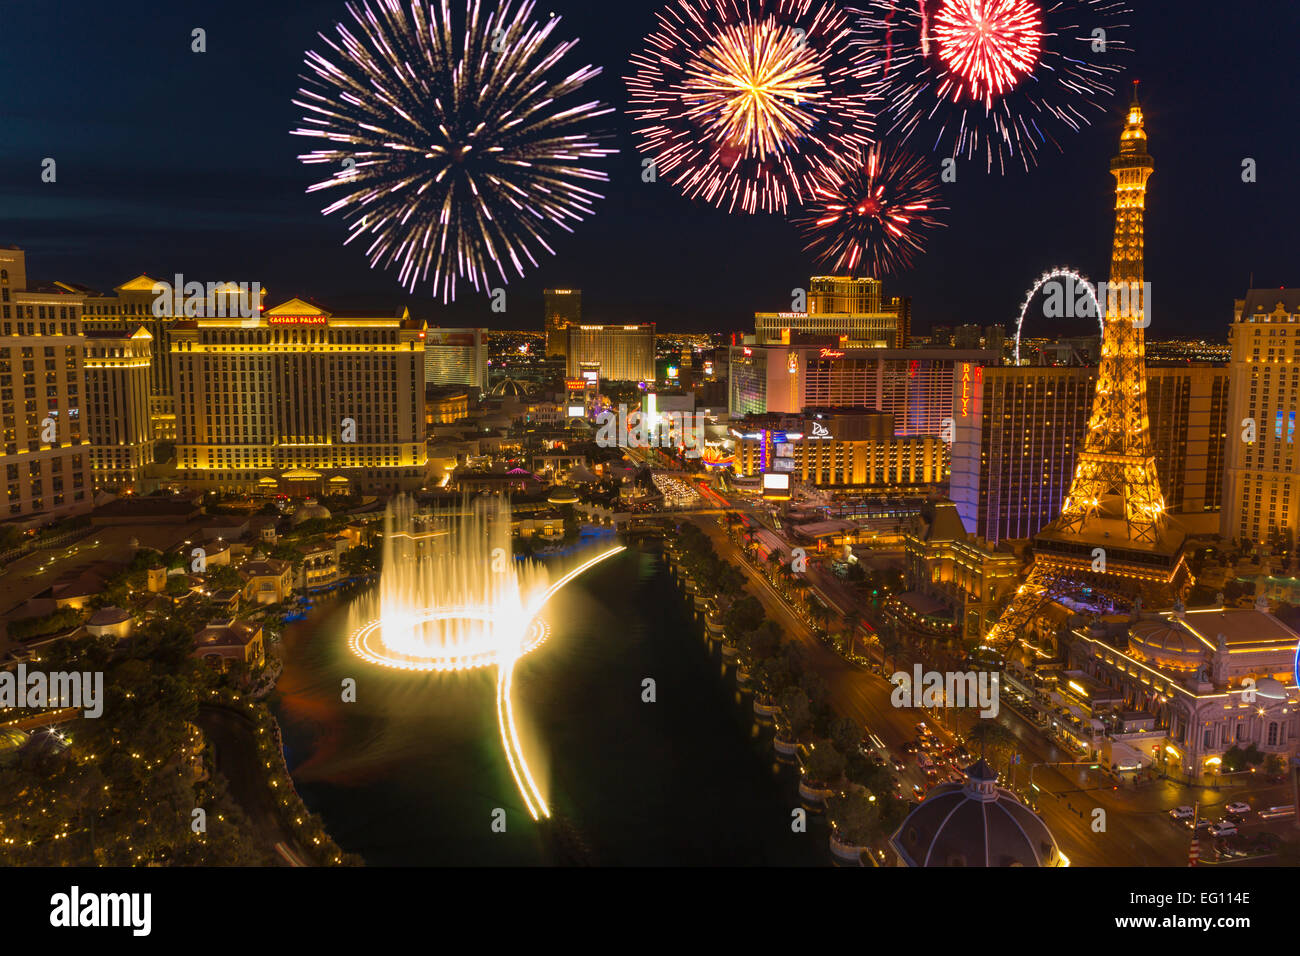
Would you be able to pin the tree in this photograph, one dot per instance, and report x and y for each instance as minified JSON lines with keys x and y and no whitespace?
{"x":849,"y":626}
{"x":361,"y":560}
{"x":796,"y":710}
{"x":219,"y":576}
{"x":863,"y":819}
{"x":820,"y":614}
{"x":762,"y":642}
{"x":846,"y":735}
{"x":1236,"y":759}
{"x":744,"y":615}
{"x":994,"y":742}
{"x":890,"y":642}
{"x":824,"y":764}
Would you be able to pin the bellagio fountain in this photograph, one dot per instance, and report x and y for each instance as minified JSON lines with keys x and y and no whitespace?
{"x":452,"y":597}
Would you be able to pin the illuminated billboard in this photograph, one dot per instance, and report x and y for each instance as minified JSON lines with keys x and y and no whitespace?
{"x":577,"y":411}
{"x":776,"y":486}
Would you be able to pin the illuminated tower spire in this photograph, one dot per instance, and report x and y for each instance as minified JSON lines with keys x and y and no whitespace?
{"x":1113,"y":542}
{"x":1117,"y":465}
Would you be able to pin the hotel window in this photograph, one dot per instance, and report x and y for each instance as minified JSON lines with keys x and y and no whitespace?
{"x":1272,"y":734}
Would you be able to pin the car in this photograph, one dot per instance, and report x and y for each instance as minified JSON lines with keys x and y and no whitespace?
{"x":908,"y":747}
{"x":1182,"y":813}
{"x":918,"y":792}
{"x":1201,"y":823}
{"x":898,"y":764}
{"x":1223,"y":828}
{"x":1238,"y":809}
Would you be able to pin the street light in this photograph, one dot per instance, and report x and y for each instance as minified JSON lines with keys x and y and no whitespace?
{"x":1049,"y":763}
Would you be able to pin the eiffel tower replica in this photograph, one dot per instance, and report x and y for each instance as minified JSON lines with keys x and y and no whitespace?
{"x":1113,"y":544}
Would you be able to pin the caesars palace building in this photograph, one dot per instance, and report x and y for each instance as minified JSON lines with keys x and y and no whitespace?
{"x":299,"y":401}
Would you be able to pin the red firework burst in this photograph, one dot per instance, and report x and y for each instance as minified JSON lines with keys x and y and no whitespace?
{"x":989,"y":45}
{"x":873,"y":220}
{"x":746,"y":103}
{"x":999,"y":77}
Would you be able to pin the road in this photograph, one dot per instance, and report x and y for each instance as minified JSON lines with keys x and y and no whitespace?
{"x":1134,"y":828}
{"x":1137,"y":830}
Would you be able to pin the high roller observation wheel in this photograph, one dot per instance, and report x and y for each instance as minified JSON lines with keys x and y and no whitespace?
{"x":1061,"y":272}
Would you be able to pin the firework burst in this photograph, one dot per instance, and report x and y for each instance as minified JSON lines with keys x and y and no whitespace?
{"x":458,"y":143}
{"x":745,"y":103}
{"x":995,"y":77}
{"x":874,"y":219}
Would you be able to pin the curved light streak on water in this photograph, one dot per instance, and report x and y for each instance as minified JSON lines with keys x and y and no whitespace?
{"x":451,"y":598}
{"x":528,"y":788}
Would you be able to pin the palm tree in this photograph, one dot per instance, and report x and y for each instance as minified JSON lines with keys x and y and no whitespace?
{"x":820,"y":614}
{"x":890,"y":642}
{"x":797,"y":585}
{"x":850,"y":624}
{"x":995,"y":742}
{"x":774,"y":561}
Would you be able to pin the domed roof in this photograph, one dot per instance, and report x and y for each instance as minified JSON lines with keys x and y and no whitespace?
{"x":310,"y":508}
{"x":561,"y":495}
{"x":510,"y":386}
{"x":976,"y":823}
{"x":1165,"y":642}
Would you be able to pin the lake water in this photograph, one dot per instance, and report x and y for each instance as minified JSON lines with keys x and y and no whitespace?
{"x":413,"y":772}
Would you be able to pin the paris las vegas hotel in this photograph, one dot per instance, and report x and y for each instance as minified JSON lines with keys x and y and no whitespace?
{"x":293,"y":400}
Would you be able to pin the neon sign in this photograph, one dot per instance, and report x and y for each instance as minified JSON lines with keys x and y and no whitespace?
{"x":297,"y":320}
{"x":969,"y":381}
{"x":832,"y":353}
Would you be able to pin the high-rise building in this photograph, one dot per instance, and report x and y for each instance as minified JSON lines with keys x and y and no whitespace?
{"x":1016,"y":435}
{"x":300,"y":401}
{"x":44,"y":455}
{"x":117,"y":411}
{"x":838,"y":448}
{"x":133,"y":304}
{"x":1261,"y":496}
{"x":626,"y":353}
{"x":1018,"y":431}
{"x":915,"y":386}
{"x":563,"y":309}
{"x":1189,"y":409}
{"x":852,"y":312}
{"x":1114,"y":537}
{"x":456,"y":357}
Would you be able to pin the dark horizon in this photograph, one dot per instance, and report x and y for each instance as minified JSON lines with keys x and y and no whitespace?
{"x":171,"y":161}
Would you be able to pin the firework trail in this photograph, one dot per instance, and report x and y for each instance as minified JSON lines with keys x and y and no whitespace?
{"x":457,"y":140}
{"x":746,"y":103}
{"x":873,"y":220}
{"x":997,"y":77}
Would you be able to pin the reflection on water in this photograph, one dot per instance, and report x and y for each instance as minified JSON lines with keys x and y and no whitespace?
{"x":412,"y":773}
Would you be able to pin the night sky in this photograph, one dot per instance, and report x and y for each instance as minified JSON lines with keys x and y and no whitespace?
{"x":171,"y":161}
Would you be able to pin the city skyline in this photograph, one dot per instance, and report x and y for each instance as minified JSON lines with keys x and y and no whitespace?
{"x":236,"y":209}
{"x":688,"y":550}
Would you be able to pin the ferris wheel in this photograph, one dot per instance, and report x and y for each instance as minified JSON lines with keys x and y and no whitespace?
{"x":1079,"y":281}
